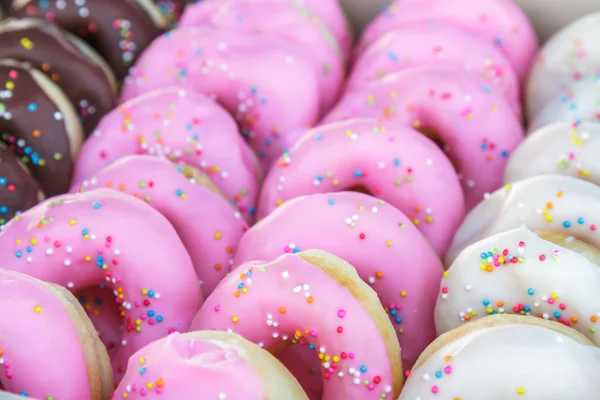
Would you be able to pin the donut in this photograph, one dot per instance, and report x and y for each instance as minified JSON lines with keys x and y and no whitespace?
{"x":184,"y":127}
{"x":548,"y":20}
{"x":268,"y":83}
{"x":371,"y":235}
{"x":501,"y":22}
{"x":549,"y":203}
{"x":506,"y":357}
{"x":213,"y":365}
{"x":71,"y":63}
{"x":358,"y":348}
{"x":209,"y":227}
{"x":39,"y":318}
{"x":548,"y":275}
{"x":118,"y":29}
{"x":561,"y":148}
{"x":475,"y":124}
{"x":294,"y":21}
{"x":105,"y":237}
{"x":570,"y":56}
{"x":390,"y":161}
{"x":18,"y":189}
{"x":39,"y":125}
{"x":579,"y":102}
{"x":419,"y":44}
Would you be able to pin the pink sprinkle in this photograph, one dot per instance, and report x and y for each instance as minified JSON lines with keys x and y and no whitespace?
{"x":13,"y":74}
{"x":550,"y":300}
{"x":330,"y":370}
{"x":217,"y":308}
{"x":446,"y":96}
{"x":46,"y":238}
{"x":313,"y":333}
{"x":286,"y":249}
{"x":392,"y":306}
{"x":159,"y":390}
{"x":133,"y":387}
{"x":143,"y":316}
{"x":143,"y":391}
{"x":8,"y":374}
{"x":151,"y":321}
{"x":341,"y":313}
{"x":434,"y":389}
{"x":448,"y":369}
{"x":351,"y":355}
{"x":172,"y":330}
{"x":371,"y":386}
{"x":137,"y":304}
{"x":117,"y":279}
{"x":6,"y":364}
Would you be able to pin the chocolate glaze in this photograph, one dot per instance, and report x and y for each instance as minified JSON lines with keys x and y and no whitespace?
{"x":18,"y":190}
{"x":33,"y":128}
{"x":44,"y":45}
{"x":119,"y":29}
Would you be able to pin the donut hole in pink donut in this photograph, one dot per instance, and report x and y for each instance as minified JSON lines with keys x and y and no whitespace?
{"x":101,"y":307}
{"x":433,"y":136}
{"x":359,"y":189}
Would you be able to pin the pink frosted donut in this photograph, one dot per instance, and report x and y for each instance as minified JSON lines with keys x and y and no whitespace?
{"x":475,"y":124}
{"x":419,"y":44}
{"x":318,"y":300}
{"x":390,"y":161}
{"x":48,"y":348}
{"x":207,"y":224}
{"x":105,"y":237}
{"x":501,"y":22}
{"x":268,"y":83}
{"x":184,"y":127}
{"x":294,"y":21}
{"x":375,"y":238}
{"x":206,"y":365}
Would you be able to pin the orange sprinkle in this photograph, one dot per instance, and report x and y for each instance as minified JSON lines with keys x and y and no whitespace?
{"x":594,"y":318}
{"x":282,"y":310}
{"x":309,"y":299}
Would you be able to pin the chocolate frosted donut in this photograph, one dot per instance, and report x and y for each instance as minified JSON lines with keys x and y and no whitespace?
{"x":19,"y":191}
{"x":171,"y":9}
{"x":71,"y":63}
{"x":39,"y":125}
{"x":118,"y":29}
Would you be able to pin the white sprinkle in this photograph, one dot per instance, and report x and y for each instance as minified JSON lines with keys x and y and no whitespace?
{"x":426,"y":377}
{"x":222,"y":396}
{"x":49,"y":251}
{"x":356,"y":381}
{"x":297,"y":289}
{"x":468,"y":287}
{"x":285,"y":274}
{"x":67,"y":262}
{"x":70,"y":285}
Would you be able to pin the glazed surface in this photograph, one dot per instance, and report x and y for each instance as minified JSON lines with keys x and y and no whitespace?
{"x":208,"y":226}
{"x":543,"y":203}
{"x":521,"y":364}
{"x":184,"y":127}
{"x":104,"y":237}
{"x":561,"y":148}
{"x":390,"y":161}
{"x":475,"y":123}
{"x":291,"y":301}
{"x":268,"y":83}
{"x":517,"y":272}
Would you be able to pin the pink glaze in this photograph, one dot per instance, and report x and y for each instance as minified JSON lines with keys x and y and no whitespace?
{"x":207,"y":224}
{"x":268,"y":83}
{"x":386,"y":249}
{"x":105,"y":237}
{"x":180,"y":367}
{"x":290,"y":301}
{"x":184,"y":127}
{"x":476,"y":124}
{"x":393,"y":162}
{"x":294,"y":21}
{"x":501,"y":22}
{"x":332,"y":15}
{"x":40,"y":352}
{"x":419,"y":44}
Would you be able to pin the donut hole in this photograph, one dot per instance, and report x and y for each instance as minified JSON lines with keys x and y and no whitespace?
{"x":569,"y":242}
{"x":433,"y":135}
{"x":359,"y":189}
{"x":102,"y":309}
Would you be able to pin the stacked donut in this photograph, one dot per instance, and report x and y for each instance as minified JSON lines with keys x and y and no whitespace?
{"x":150,"y":277}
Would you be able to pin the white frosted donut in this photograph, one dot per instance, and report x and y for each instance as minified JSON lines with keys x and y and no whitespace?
{"x":551,"y":276}
{"x":562,"y":148}
{"x":578,"y":103}
{"x":569,"y":56}
{"x":507,"y":357}
{"x":551,"y":203}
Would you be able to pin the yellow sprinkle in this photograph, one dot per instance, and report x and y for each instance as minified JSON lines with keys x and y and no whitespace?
{"x":403,"y":293}
{"x":417,"y":124}
{"x":33,"y":241}
{"x":446,"y":274}
{"x":389,"y":243}
{"x":37,"y":309}
{"x":27,"y":43}
{"x":142,"y":360}
{"x":10,"y":85}
{"x":234,"y":319}
{"x":149,"y":385}
{"x":88,"y":258}
{"x":336,"y":359}
{"x":72,"y":222}
{"x":144,"y":292}
{"x":217,"y":235}
{"x":520,"y":390}
{"x":279,"y":202}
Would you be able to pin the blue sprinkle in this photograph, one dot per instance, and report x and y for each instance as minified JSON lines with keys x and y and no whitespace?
{"x":580,"y":220}
{"x":2,"y":180}
{"x":530,"y":291}
{"x":556,"y":314}
{"x":504,"y":153}
{"x":3,"y":210}
{"x":268,"y":141}
{"x":151,"y":313}
{"x":396,"y":161}
{"x":311,"y":346}
{"x":331,"y":202}
{"x":98,"y":301}
{"x":363,"y":368}
{"x":142,"y":370}
{"x":252,"y":210}
{"x":486,"y":303}
{"x":96,"y":205}
{"x":567,"y":224}
{"x":150,"y":293}
{"x":240,"y":285}
{"x":357,"y":173}
{"x":179,"y":192}
{"x":82,"y":299}
{"x":319,"y":137}
{"x":19,"y":254}
{"x":438,"y":374}
{"x":296,"y":250}
{"x":29,"y":249}
{"x":85,"y":231}
{"x":27,"y":150}
{"x":527,"y":308}
{"x":32,"y":107}
{"x":159,"y":318}
{"x":393,"y":312}
{"x":398,"y":320}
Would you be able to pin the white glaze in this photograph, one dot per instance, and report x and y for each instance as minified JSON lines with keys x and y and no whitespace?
{"x":562,"y":148}
{"x":517,"y":361}
{"x":547,"y":281}
{"x":546,"y":203}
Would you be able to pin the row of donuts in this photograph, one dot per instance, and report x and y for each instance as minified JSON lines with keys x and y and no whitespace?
{"x":57,"y":87}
